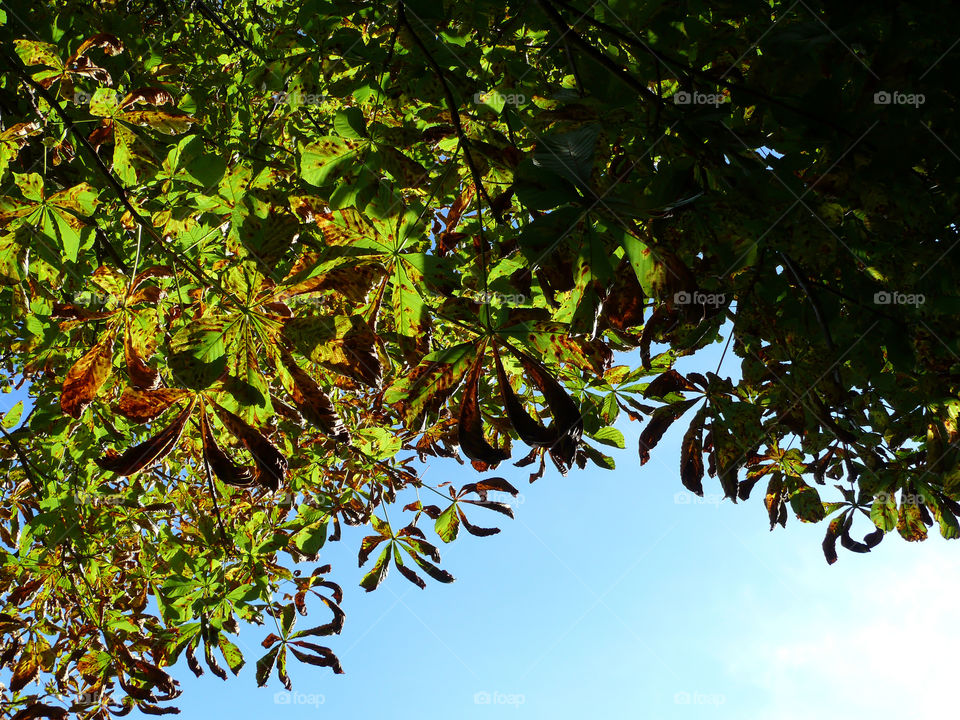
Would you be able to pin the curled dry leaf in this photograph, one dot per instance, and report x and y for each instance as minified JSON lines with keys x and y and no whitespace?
{"x":530,"y":430}
{"x":666,"y":383}
{"x":219,"y":463}
{"x":691,"y":456}
{"x":147,"y":96}
{"x":270,"y":464}
{"x":470,"y":427}
{"x":110,"y":44}
{"x":567,"y":424}
{"x":149,"y":451}
{"x":662,"y":418}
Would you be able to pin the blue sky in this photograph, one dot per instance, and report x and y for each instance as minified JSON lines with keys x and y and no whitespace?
{"x":615,"y":594}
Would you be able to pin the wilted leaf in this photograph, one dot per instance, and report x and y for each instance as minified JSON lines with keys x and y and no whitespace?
{"x":470,"y":424}
{"x":310,"y":400}
{"x":271,"y":466}
{"x":662,"y":418}
{"x":149,"y":451}
{"x":86,"y":377}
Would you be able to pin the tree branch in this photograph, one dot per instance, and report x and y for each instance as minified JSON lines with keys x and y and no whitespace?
{"x":454,"y":112}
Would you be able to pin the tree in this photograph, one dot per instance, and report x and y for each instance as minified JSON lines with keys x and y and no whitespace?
{"x":257,"y":256}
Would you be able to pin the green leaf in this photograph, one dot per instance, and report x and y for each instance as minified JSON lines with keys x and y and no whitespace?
{"x":350,"y":123}
{"x":12,"y":416}
{"x":610,"y":436}
{"x":372,"y":580}
{"x":231,"y":653}
{"x":447,"y":524}
{"x":321,"y":160}
{"x":883,"y":512}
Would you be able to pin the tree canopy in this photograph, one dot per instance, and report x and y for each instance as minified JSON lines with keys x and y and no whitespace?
{"x":256,"y":258}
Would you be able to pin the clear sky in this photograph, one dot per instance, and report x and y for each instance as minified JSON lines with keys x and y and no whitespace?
{"x":611,"y":597}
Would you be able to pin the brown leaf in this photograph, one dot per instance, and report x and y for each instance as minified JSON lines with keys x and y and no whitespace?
{"x":271,"y":466}
{"x":140,"y":373}
{"x":86,"y":377}
{"x":101,"y":133}
{"x":774,"y":498}
{"x":829,"y":544}
{"x":110,"y":44}
{"x":497,"y":484}
{"x":530,"y":430}
{"x":666,"y":383}
{"x":24,"y":672}
{"x":219,"y":462}
{"x":143,"y":405}
{"x":147,"y":96}
{"x":149,"y":451}
{"x":313,"y":402}
{"x":353,"y":282}
{"x":662,"y":418}
{"x":470,"y":425}
{"x":346,"y":345}
{"x":475,"y":529}
{"x":409,"y":575}
{"x":324,"y":655}
{"x":195,"y":667}
{"x":567,"y":421}
{"x":691,"y":456}
{"x":41,"y":710}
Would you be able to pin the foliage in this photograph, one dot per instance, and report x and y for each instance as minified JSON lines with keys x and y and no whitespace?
{"x":256,"y":255}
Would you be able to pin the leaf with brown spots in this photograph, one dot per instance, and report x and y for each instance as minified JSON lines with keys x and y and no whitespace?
{"x":346,"y":345}
{"x":344,"y":275}
{"x":313,"y":402}
{"x":169,"y":123}
{"x":149,"y":451}
{"x":427,"y":387}
{"x":143,"y":405}
{"x":141,"y":374}
{"x":86,"y":377}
